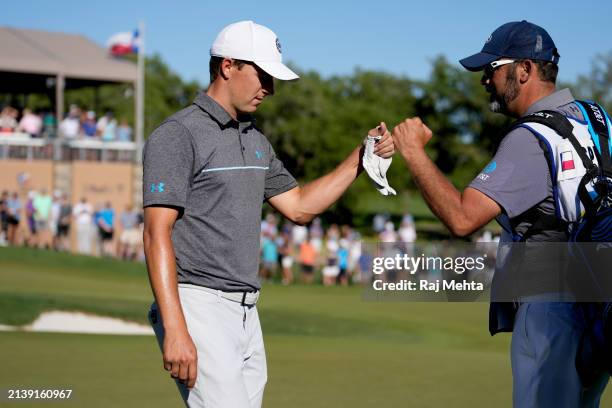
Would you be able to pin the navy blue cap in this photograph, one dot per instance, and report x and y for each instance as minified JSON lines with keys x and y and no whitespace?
{"x":518,"y":39}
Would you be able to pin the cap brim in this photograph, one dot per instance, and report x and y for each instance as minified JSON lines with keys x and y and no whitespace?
{"x":278,"y":70}
{"x":477,"y":61}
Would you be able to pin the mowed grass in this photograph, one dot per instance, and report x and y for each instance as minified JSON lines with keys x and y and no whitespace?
{"x":326,"y":347}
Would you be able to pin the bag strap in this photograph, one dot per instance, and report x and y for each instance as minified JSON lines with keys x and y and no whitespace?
{"x":560,"y":124}
{"x":597,"y":120}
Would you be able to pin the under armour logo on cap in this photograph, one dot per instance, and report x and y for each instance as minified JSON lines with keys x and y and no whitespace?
{"x":278,"y":46}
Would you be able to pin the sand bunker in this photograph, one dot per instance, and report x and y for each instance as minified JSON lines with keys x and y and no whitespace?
{"x":76,"y":322}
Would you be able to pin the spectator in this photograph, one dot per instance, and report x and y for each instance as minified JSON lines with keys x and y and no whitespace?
{"x":407,"y":230}
{"x":269,"y":255}
{"x":31,"y":239}
{"x":106,"y":225}
{"x":106,"y":127}
{"x":42,"y":204}
{"x":316,"y":234}
{"x":343,"y":258}
{"x":8,"y":119}
{"x":54,"y":217}
{"x":83,"y":216}
{"x":299,"y":233}
{"x":286,"y":253}
{"x":268,"y":226}
{"x":130,"y":235}
{"x":88,"y":125}
{"x":308,"y":259}
{"x":140,"y":255}
{"x":331,"y":270}
{"x":71,"y":125}
{"x":110,"y":131}
{"x":388,"y":234}
{"x":354,"y":256}
{"x":13,"y":217}
{"x":124,"y":131}
{"x":378,"y":223}
{"x":49,"y":122}
{"x":63,"y":224}
{"x":4,"y":217}
{"x":30,"y":123}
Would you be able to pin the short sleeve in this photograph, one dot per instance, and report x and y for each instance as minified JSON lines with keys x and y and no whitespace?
{"x":168,"y":159}
{"x":518,"y":177}
{"x":278,"y":178}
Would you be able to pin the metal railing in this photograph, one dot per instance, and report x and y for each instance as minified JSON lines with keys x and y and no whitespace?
{"x":23,"y":146}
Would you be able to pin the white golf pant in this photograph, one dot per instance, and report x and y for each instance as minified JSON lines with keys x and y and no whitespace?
{"x":232,"y":370}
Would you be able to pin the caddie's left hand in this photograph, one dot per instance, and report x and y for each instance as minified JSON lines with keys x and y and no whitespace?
{"x":411,"y":135}
{"x":385,"y":146}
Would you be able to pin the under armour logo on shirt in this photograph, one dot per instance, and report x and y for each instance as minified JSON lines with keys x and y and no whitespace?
{"x":157,"y":188}
{"x":258,"y":154}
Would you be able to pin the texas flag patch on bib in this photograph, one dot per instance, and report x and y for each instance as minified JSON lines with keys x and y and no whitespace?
{"x":567,"y":161}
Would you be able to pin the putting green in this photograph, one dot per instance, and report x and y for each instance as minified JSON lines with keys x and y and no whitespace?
{"x":326,"y":347}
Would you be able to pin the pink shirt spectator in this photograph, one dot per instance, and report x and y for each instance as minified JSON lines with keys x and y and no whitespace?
{"x":31,"y":123}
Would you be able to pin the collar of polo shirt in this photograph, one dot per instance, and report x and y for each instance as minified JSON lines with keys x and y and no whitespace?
{"x":217,"y":112}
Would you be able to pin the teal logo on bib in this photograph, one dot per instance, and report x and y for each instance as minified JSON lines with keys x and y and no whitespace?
{"x":490,"y":167}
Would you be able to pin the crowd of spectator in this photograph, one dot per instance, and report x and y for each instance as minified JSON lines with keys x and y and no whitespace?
{"x":289,"y":252}
{"x":77,"y":124}
{"x":334,"y":256}
{"x":43,"y":220}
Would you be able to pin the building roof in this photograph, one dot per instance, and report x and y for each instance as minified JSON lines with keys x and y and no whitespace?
{"x":25,"y":52}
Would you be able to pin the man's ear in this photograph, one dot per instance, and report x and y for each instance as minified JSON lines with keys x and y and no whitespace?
{"x":226,"y":68}
{"x":525,"y":70}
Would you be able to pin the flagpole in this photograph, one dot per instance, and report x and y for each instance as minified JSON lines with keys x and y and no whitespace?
{"x":140,"y":92}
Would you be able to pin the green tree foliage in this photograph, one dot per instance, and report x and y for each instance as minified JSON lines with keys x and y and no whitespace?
{"x":315,"y":122}
{"x":165,"y":92}
{"x":598,"y":84}
{"x":454,"y":104}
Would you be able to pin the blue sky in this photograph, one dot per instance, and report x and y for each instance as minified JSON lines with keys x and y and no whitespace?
{"x":331,"y":37}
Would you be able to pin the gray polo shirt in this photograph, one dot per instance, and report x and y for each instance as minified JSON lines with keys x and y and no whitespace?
{"x":518,"y":178}
{"x":218,"y":171}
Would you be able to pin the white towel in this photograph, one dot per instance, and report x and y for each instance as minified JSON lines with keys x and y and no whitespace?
{"x":376,"y":166}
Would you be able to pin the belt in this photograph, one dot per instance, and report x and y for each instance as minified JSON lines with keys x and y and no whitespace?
{"x":244,"y":298}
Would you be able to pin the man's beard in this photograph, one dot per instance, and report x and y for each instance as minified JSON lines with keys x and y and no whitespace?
{"x":499,"y":103}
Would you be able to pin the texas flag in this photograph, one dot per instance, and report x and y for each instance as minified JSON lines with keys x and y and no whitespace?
{"x":567,"y":161}
{"x":123,"y":43}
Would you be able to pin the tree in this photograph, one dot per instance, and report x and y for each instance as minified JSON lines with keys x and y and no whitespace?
{"x":598,"y":84}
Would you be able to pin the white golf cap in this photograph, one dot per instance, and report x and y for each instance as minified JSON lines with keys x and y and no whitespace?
{"x":248,"y":41}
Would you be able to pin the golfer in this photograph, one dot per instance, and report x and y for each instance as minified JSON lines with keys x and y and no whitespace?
{"x":207,"y":171}
{"x":519,"y":64}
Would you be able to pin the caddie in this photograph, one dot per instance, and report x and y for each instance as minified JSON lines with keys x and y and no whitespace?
{"x":207,"y":171}
{"x":519,"y":62}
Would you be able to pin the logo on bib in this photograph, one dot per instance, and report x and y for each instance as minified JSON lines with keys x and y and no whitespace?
{"x":490,"y":168}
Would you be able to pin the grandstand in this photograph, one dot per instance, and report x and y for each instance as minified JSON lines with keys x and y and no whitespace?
{"x":41,"y":62}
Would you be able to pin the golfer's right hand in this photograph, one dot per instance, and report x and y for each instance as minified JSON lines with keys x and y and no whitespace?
{"x":181,"y":357}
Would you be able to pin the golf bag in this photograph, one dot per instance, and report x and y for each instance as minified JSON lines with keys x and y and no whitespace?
{"x":582,"y":191}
